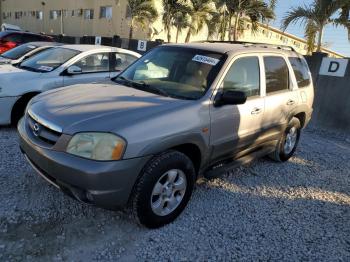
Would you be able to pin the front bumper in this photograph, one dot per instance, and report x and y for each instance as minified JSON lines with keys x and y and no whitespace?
{"x":6,"y":105}
{"x":106,"y":184}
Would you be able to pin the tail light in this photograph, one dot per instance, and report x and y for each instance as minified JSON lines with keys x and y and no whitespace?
{"x":5,"y":46}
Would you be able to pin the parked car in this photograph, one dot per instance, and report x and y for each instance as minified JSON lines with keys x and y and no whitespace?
{"x":179,"y":112}
{"x":12,"y":39}
{"x":22,"y":52}
{"x":57,"y":67}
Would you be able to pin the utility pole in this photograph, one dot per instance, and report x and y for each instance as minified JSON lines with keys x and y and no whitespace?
{"x":62,"y":27}
{"x":43,"y":17}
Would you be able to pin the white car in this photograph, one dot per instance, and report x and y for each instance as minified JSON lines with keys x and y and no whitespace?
{"x":22,"y":52}
{"x":57,"y":67}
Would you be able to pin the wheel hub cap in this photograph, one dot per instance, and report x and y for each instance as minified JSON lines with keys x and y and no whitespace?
{"x":168,"y":192}
{"x":291,"y":140}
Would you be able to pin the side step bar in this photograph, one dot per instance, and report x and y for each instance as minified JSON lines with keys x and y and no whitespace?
{"x":222,"y":169}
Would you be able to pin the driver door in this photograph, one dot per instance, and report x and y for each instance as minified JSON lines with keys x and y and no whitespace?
{"x":94,"y":68}
{"x":236,"y":127}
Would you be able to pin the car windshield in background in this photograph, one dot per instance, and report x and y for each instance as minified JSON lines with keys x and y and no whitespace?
{"x":18,"y":52}
{"x":49,"y":60}
{"x":182,"y":73}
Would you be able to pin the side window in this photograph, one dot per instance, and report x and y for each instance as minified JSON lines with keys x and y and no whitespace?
{"x":122,"y":61}
{"x":94,"y":63}
{"x":301,"y":71}
{"x":244,"y":75}
{"x":277,"y":74}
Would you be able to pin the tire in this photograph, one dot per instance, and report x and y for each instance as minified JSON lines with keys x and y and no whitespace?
{"x":156,"y":201}
{"x":283,"y":152}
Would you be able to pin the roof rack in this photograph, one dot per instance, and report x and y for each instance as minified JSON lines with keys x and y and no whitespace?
{"x":263,"y":45}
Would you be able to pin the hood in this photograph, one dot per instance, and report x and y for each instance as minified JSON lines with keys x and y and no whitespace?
{"x":99,"y":107}
{"x":10,"y":74}
{"x":4,"y":60}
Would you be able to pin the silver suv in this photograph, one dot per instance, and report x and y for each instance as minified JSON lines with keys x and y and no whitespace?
{"x":177,"y":113}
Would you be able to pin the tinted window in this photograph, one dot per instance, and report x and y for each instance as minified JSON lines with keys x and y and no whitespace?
{"x":122,"y":61}
{"x":31,"y":38}
{"x":17,"y":38}
{"x":18,"y":52}
{"x":244,"y":75}
{"x":301,"y":71}
{"x":277,"y":74}
{"x":94,"y":63}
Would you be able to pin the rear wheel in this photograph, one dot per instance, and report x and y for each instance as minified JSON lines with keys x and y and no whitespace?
{"x":288,"y":143}
{"x":163,"y":189}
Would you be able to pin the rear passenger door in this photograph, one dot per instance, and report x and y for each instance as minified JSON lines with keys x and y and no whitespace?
{"x":281,"y":93}
{"x":94,"y":68}
{"x":236,"y":127}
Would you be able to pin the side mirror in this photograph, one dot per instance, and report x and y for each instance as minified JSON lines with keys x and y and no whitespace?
{"x":74,"y":70}
{"x":230,"y":97}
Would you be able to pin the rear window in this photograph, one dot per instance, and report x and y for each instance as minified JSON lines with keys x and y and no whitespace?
{"x":301,"y":71}
{"x":13,"y":37}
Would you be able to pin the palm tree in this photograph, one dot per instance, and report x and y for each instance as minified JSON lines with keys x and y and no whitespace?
{"x":142,"y":13}
{"x":272,"y":5}
{"x":181,"y":22}
{"x":175,"y":14}
{"x":315,"y":17}
{"x":344,"y":18}
{"x":255,"y":10}
{"x":199,"y":11}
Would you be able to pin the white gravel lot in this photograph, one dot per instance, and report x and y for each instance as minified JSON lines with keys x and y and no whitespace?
{"x":299,"y":210}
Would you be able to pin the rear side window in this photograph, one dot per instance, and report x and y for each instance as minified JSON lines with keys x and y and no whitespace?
{"x":301,"y":71}
{"x":244,"y":75}
{"x":277,"y":74}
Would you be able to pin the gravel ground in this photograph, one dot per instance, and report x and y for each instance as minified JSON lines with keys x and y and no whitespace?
{"x":299,"y":210}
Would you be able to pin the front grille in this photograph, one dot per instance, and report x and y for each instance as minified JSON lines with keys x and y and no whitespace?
{"x":43,"y":133}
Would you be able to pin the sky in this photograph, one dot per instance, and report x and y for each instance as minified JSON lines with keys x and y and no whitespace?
{"x":336,"y":39}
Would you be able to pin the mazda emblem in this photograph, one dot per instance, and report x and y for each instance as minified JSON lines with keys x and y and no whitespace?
{"x":36,"y":129}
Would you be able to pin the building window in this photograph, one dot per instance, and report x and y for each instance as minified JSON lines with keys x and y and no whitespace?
{"x":88,"y":14}
{"x":18,"y":15}
{"x":128,"y":12}
{"x":39,"y":15}
{"x":55,"y":14}
{"x":106,"y":12}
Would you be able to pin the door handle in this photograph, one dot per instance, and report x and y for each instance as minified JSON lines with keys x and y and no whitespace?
{"x":256,"y":111}
{"x":290,"y":102}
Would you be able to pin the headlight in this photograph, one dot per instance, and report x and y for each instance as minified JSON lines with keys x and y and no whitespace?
{"x":97,"y":146}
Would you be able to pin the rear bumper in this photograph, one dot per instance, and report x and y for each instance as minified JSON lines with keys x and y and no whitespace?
{"x":6,"y":105}
{"x":106,"y":184}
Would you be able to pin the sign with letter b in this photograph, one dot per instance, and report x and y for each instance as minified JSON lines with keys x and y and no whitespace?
{"x":333,"y":67}
{"x":142,"y":45}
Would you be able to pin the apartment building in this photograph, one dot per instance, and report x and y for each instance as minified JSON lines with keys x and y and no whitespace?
{"x":111,"y":17}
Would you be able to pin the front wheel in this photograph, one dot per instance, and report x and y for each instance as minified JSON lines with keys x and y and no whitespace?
{"x":163,"y":189}
{"x":288,"y":143}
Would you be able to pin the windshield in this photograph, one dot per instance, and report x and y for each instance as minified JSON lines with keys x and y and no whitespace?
{"x":19,"y":51}
{"x":48,"y":60}
{"x":182,"y":73}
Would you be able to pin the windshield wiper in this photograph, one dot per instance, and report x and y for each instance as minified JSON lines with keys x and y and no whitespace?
{"x":142,"y":85}
{"x":28,"y":68}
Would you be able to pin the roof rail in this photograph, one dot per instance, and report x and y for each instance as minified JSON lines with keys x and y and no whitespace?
{"x":264,"y":45}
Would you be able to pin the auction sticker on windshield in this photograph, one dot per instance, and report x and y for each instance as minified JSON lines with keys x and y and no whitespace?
{"x":206,"y":60}
{"x":46,"y":68}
